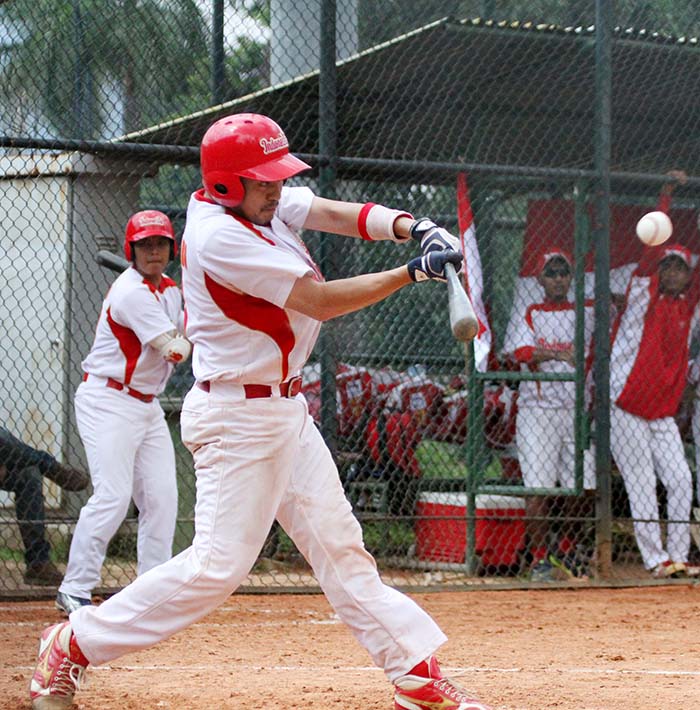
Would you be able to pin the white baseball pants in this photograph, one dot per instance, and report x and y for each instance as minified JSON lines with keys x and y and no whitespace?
{"x":130,"y":454}
{"x":255,"y":460}
{"x":644,"y":449}
{"x":546,"y":448}
{"x":695,"y":424}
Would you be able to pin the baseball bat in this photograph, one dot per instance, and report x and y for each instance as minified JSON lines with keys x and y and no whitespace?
{"x":463,"y":320}
{"x":112,"y":261}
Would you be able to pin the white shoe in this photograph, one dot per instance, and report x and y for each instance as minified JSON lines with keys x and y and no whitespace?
{"x":669,"y":570}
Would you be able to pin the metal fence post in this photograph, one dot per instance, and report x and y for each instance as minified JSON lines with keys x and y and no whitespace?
{"x":601,"y":237}
{"x":326,"y":181}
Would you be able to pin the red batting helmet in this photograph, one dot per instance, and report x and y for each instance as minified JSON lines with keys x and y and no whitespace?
{"x":148,"y":223}
{"x":245,"y":145}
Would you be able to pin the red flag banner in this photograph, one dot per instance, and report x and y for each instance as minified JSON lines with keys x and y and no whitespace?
{"x":473,"y":274}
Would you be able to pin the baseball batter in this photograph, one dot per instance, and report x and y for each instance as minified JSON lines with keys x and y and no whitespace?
{"x":255,"y":300}
{"x":544,"y":342}
{"x":121,"y":423}
{"x":648,"y":368}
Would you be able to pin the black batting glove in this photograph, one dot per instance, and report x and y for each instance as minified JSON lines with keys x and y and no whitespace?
{"x":433,"y":238}
{"x":432,"y":265}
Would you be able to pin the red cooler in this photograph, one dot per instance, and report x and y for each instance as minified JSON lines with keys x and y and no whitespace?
{"x":500,"y":528}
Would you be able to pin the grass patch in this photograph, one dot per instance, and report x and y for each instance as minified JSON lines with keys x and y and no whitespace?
{"x":388,"y":538}
{"x":9,"y":555}
{"x":439,"y":459}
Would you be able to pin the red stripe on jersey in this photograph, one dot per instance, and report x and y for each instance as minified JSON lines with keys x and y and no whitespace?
{"x":165,"y":283}
{"x":256,"y":314}
{"x":183,"y":254}
{"x":249,"y":225}
{"x":129,"y":344}
{"x":201,"y":196}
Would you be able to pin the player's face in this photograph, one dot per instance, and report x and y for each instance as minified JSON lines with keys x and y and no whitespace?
{"x":556,"y":280}
{"x":151,"y":256}
{"x":674,"y":275}
{"x":260,"y":201}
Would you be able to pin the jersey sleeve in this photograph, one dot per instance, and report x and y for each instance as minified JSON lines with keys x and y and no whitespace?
{"x":651,"y":255}
{"x":181,"y":322}
{"x":521,"y":341}
{"x":649,"y":261}
{"x":139,"y":310}
{"x":294,"y":206}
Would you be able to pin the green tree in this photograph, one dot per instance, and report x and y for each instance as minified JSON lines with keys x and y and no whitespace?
{"x":79,"y":61}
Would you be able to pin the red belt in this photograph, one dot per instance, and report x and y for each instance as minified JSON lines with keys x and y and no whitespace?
{"x":116,"y":385}
{"x":290,"y":388}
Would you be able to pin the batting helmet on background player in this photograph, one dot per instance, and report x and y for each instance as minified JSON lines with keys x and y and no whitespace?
{"x":245,"y":145}
{"x":148,"y":223}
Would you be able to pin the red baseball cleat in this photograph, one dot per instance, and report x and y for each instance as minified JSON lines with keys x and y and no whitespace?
{"x":59,"y":671}
{"x":431,"y":691}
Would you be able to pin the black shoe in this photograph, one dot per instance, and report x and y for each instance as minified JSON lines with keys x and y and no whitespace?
{"x":44,"y":574}
{"x":69,"y":478}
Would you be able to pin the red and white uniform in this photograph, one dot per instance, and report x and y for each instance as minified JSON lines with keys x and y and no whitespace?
{"x":134,"y":313}
{"x":122,"y":426}
{"x":256,"y":458}
{"x":545,"y":418}
{"x":694,"y":378}
{"x":648,"y":367}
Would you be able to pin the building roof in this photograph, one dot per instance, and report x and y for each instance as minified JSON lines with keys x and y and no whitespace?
{"x":481,"y":92}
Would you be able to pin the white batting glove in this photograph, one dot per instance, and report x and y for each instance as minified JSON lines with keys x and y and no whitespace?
{"x":434,"y":238}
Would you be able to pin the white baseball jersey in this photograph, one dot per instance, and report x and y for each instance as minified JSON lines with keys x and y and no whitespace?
{"x":237,"y":277}
{"x":548,"y":325}
{"x":134,"y":313}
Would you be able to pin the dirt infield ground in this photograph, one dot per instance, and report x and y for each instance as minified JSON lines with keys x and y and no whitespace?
{"x":584,"y":649}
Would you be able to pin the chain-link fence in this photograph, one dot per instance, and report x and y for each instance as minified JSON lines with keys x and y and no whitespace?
{"x":539,"y":132}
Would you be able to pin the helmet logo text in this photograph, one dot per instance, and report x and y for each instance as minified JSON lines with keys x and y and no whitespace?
{"x":155,"y":221}
{"x":271,"y":145}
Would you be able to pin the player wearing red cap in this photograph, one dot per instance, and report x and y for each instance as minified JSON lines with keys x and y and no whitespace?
{"x":127,"y":442}
{"x":255,"y":301}
{"x":544,"y":342}
{"x":648,"y":367}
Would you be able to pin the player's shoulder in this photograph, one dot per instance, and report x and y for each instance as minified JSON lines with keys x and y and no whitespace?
{"x":296,"y":194}
{"x":125,"y":282}
{"x":295,"y":205}
{"x":207,"y":219}
{"x":132,"y":288}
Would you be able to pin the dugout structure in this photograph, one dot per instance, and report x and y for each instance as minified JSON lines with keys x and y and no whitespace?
{"x":589,"y":114}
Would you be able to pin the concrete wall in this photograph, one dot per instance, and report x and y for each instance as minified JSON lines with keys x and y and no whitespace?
{"x":53,"y":209}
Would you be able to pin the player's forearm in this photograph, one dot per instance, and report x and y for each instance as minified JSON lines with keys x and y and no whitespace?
{"x":331,"y":299}
{"x":541,"y":354}
{"x":353,"y":219}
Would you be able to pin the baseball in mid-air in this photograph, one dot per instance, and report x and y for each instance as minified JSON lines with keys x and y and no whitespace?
{"x":654,"y":228}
